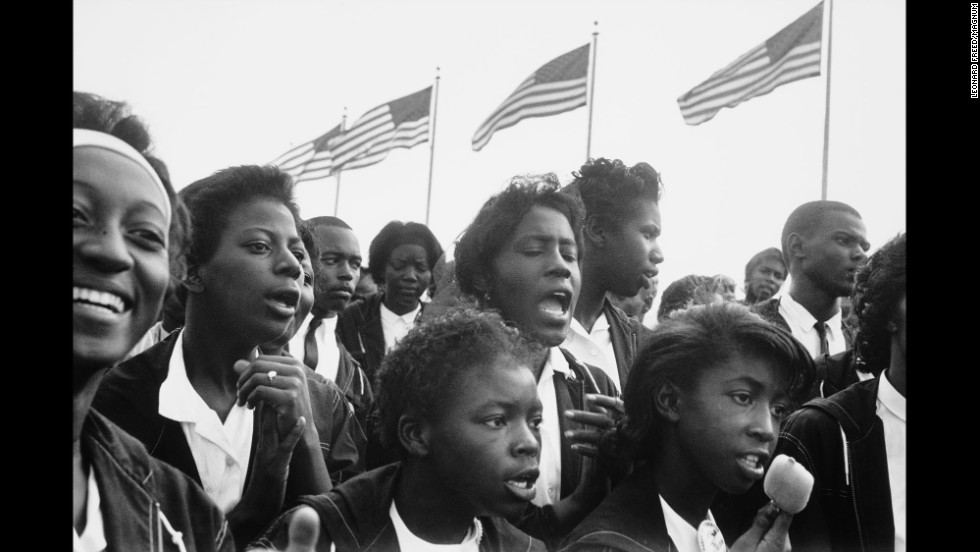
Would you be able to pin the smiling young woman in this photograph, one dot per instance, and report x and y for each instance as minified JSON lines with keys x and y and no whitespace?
{"x":121,"y":216}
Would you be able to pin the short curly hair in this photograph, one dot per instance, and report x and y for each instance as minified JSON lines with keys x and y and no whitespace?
{"x":692,"y":342}
{"x":211,"y":200}
{"x":686,"y":292}
{"x":426,"y":365}
{"x":609,"y":187}
{"x":498,"y":219}
{"x":878,"y":287}
{"x":391,"y":236}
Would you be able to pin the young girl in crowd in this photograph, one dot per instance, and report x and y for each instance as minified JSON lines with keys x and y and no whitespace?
{"x":188,"y":398}
{"x":457,"y":400}
{"x":704,"y":404}
{"x":519,"y":256}
{"x":400,"y":261}
{"x":124,"y":499}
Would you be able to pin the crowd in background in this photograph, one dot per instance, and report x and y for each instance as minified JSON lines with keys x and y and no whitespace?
{"x":245,"y":378}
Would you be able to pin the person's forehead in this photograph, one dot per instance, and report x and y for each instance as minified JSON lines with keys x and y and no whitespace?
{"x":408,"y":251}
{"x":543,"y":221}
{"x":771,"y":264}
{"x":837,"y":221}
{"x":328,"y":236}
{"x":642,"y":210}
{"x":103,"y":168}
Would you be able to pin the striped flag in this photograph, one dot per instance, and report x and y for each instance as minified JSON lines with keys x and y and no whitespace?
{"x":400,"y":123}
{"x":311,"y":160}
{"x":792,"y":54}
{"x":558,"y":86}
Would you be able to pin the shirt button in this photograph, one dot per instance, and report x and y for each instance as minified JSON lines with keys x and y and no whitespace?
{"x":229,"y":461}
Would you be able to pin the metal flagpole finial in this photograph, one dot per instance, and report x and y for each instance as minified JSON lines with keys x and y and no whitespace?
{"x":596,"y":31}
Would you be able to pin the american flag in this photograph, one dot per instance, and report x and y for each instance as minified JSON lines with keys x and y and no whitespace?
{"x":311,"y":160}
{"x":791,"y":54}
{"x":400,"y":123}
{"x":558,"y":86}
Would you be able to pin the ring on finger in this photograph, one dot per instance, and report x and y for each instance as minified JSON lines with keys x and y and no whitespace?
{"x":272,"y":375}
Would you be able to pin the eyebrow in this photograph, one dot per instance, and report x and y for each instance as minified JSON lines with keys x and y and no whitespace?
{"x":545,"y":238}
{"x":506,"y":404}
{"x":141,"y":203}
{"x":655,"y":228}
{"x":851,"y":235}
{"x":337,"y":253}
{"x":751,"y":382}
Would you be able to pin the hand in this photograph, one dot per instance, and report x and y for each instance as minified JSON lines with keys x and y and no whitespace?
{"x":272,"y":453}
{"x":287,"y":392}
{"x":769,"y":532}
{"x":304,"y":531}
{"x":266,"y":491}
{"x":603,"y":414}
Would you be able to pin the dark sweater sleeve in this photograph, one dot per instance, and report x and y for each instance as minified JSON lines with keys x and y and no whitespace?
{"x":338,"y":429}
{"x":813,"y":439}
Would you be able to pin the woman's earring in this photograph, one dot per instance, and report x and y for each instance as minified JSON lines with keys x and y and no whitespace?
{"x":891,"y":327}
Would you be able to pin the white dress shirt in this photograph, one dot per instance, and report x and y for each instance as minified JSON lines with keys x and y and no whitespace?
{"x":92,"y":538}
{"x":409,"y":542}
{"x":548,"y":485}
{"x":801,"y":323}
{"x":594,"y":347}
{"x":328,"y":355}
{"x":684,"y":535}
{"x":891,"y":410}
{"x":221,"y":450}
{"x":395,"y":326}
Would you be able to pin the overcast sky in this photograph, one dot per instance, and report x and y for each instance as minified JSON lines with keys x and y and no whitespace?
{"x":224,"y":83}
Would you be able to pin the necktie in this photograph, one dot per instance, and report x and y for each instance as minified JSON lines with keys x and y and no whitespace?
{"x":309,"y":343}
{"x":821,"y":328}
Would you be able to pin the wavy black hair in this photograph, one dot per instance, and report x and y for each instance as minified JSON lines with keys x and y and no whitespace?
{"x":690,"y":343}
{"x":608,"y":187}
{"x":878,"y":287}
{"x":498,"y":219}
{"x":211,"y":200}
{"x":426,"y":365}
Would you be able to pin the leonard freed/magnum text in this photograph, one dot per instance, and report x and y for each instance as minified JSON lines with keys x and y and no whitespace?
{"x":973,"y":49}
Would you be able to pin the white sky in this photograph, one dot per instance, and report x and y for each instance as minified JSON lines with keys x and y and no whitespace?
{"x":230,"y":82}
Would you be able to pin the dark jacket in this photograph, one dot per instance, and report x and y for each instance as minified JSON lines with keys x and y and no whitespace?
{"x":129,"y":395}
{"x":627,"y":336}
{"x":145,"y":502}
{"x":355,"y":517}
{"x":356,"y":387}
{"x":834,"y":373}
{"x":850,"y":507}
{"x":540,"y":522}
{"x":352,"y":380}
{"x":630,"y":519}
{"x":769,"y":309}
{"x":359,"y":329}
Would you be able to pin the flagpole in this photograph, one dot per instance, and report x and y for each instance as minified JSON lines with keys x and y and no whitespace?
{"x":591,"y":93}
{"x":826,"y":120}
{"x":336,"y":202}
{"x":432,"y":146}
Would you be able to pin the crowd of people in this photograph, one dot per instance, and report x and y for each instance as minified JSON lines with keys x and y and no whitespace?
{"x":244,"y":381}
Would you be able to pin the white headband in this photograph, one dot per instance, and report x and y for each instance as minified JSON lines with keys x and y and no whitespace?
{"x":85,"y":137}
